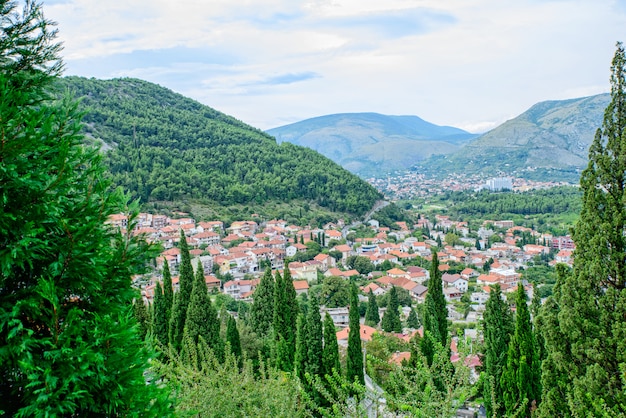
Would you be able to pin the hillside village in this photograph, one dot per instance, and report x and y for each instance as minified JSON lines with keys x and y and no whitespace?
{"x":234,"y":258}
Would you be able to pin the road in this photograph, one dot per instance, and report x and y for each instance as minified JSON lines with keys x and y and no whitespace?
{"x":378,"y":205}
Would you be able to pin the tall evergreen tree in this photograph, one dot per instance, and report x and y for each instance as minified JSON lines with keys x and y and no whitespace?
{"x":412,"y":321}
{"x":315,"y":337}
{"x":168,"y":295}
{"x":159,"y":321}
{"x":182,"y":299}
{"x":354,"y":365}
{"x":372,"y":317}
{"x":301,"y":357}
{"x":68,"y":339}
{"x":292,"y":310}
{"x":498,"y":328}
{"x":232,"y":336}
{"x":201,"y":320}
{"x":262,"y":311}
{"x":436,"y":312}
{"x":391,"y":319}
{"x":330,"y":356}
{"x":142,"y":317}
{"x":587,"y":365}
{"x":284,"y":323}
{"x":521,"y":378}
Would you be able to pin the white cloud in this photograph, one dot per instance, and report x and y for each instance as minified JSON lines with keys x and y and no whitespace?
{"x":269,"y":62}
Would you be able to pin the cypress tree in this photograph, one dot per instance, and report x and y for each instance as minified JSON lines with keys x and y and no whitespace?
{"x":159,"y":321}
{"x":262,"y":311}
{"x":436,"y":312}
{"x":168,"y":295}
{"x":284,"y":323}
{"x":587,"y":350}
{"x":301,"y":357}
{"x":181,"y":302}
{"x":292,"y":311}
{"x":68,"y":339}
{"x":391,"y":319}
{"x":520,"y":380}
{"x":202,"y":317}
{"x":372,"y":317}
{"x":232,"y":336}
{"x":315,"y":337}
{"x":412,"y":321}
{"x":142,"y":317}
{"x":354,"y":365}
{"x":498,"y":327}
{"x":330,"y":356}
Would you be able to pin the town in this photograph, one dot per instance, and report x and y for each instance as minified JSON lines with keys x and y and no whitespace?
{"x":376,"y":258}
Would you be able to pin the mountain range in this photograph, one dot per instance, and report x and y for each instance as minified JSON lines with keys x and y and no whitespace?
{"x":551,"y":138}
{"x":370,"y":143}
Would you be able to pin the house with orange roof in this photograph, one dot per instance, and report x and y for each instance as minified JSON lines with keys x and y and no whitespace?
{"x":118,"y":220}
{"x":366,"y":333}
{"x":376,"y":290}
{"x":325,"y":261}
{"x":400,"y":357}
{"x":236,"y":288}
{"x":301,"y":286}
{"x":396,"y":272}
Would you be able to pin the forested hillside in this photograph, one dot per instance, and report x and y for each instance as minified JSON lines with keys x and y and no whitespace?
{"x":163,"y":146}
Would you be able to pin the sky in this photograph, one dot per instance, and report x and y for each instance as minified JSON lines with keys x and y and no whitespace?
{"x":472,"y":64}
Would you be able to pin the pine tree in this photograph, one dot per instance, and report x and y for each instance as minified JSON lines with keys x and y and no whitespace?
{"x":587,"y":350}
{"x":232,"y":336}
{"x":412,"y":321}
{"x":372,"y":317}
{"x":292,"y":311}
{"x":391,"y":319}
{"x":436,"y":312}
{"x":330,"y":356}
{"x":354,"y":365}
{"x":181,"y":302}
{"x":68,"y":339}
{"x":520,"y":380}
{"x":498,"y":328}
{"x":201,"y":319}
{"x":262,"y":311}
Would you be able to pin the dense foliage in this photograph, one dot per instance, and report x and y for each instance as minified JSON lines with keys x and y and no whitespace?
{"x":584,"y":320}
{"x":164,"y":147}
{"x":69,"y":344}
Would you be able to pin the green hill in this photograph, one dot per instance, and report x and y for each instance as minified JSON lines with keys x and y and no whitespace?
{"x":551,"y":139}
{"x":371,"y":144}
{"x":162,"y":146}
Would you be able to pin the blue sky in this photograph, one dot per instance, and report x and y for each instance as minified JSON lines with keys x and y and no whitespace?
{"x":471,"y":64}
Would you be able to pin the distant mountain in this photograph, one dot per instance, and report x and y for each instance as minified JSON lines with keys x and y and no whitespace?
{"x":552,"y":136}
{"x":370,"y":143}
{"x":165,"y":147}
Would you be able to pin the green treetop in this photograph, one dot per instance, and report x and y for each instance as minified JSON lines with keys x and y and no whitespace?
{"x":412,"y":321}
{"x":498,"y":327}
{"x":301,"y":357}
{"x":436,"y":312}
{"x":232,"y":336}
{"x":181,"y":301}
{"x":354,"y":365}
{"x":202,"y":318}
{"x":330,"y":356}
{"x":520,"y":380}
{"x":586,"y":353}
{"x":391,"y":319}
{"x":68,"y":339}
{"x":372,"y":317}
{"x":262,"y":311}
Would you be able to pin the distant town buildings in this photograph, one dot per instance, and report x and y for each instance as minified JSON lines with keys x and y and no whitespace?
{"x":498,"y":184}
